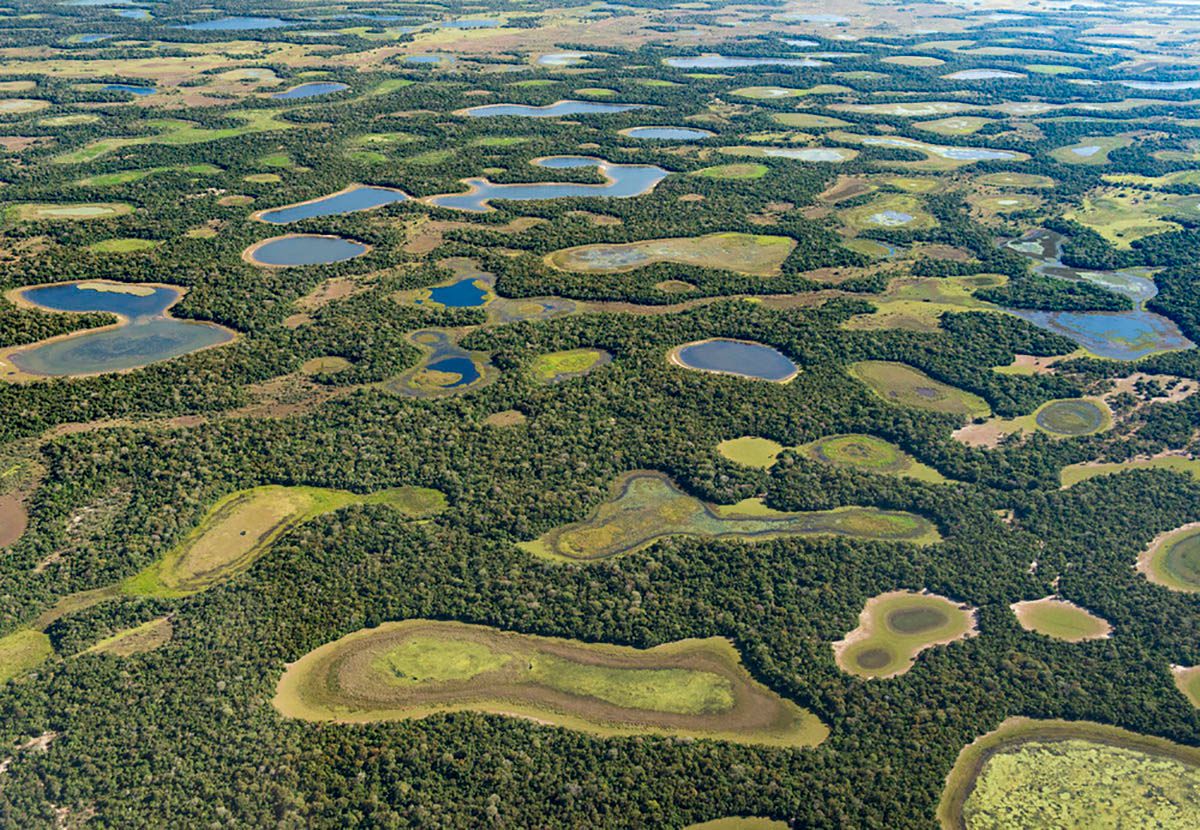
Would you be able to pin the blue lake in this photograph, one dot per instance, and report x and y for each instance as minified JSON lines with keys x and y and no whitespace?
{"x":1162,"y":85}
{"x":624,"y":181}
{"x":723,"y":62}
{"x":464,"y":367}
{"x":306,"y":249}
{"x":147,"y":333}
{"x":668,"y":133}
{"x":447,"y":368}
{"x":136,"y":90}
{"x":347,"y":201}
{"x":736,"y":357}
{"x":477,"y":23}
{"x":551,"y":111}
{"x":310,"y":90}
{"x":462,"y":294}
{"x":237,"y":24}
{"x":93,"y":38}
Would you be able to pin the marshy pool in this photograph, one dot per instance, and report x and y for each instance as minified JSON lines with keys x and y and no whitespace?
{"x":667,"y":133}
{"x":311,"y":90}
{"x":556,"y":109}
{"x":304,"y":249}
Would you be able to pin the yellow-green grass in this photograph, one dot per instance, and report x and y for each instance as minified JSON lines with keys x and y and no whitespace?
{"x":1187,"y":681}
{"x":275,"y":160}
{"x":137,"y":640}
{"x":645,"y":507}
{"x":808,"y":120}
{"x":773,"y":92}
{"x":556,"y":366}
{"x":912,"y":60}
{"x":937,"y":157}
{"x":863,"y":452}
{"x":1060,"y":619}
{"x":751,"y":451}
{"x":22,"y":651}
{"x":954,"y":125}
{"x":739,"y":823}
{"x":325,"y":365}
{"x":46,"y":212}
{"x":1173,"y":559}
{"x":122,"y":245}
{"x":1007,"y":179}
{"x":1062,"y":418}
{"x":430,"y":158}
{"x":903,"y":385}
{"x":1082,"y":152}
{"x":826,"y":155}
{"x":914,"y":184}
{"x":917,"y":303}
{"x":1155,"y":182}
{"x":506,"y":418}
{"x":1125,"y":215}
{"x":500,"y":141}
{"x":889,"y":211}
{"x":734,"y":172}
{"x":126,"y":176}
{"x":905,"y":109}
{"x":21,"y":106}
{"x":70,"y":120}
{"x":262,"y":178}
{"x":17,"y":86}
{"x":895,"y":627}
{"x":417,"y":668}
{"x":1053,"y":773}
{"x":596,"y":92}
{"x":870,"y":247}
{"x":1075,"y":473}
{"x":175,"y":133}
{"x":241,"y":527}
{"x":388,"y":86}
{"x":1053,"y":69}
{"x":746,"y":253}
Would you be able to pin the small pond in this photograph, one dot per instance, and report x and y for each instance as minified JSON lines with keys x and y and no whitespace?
{"x":561,"y":59}
{"x":136,"y":90}
{"x":723,"y":62}
{"x":465,"y":293}
{"x":982,"y":75}
{"x":310,"y":90}
{"x":93,"y":38}
{"x":736,"y":357}
{"x":237,"y":24}
{"x":667,"y":133}
{"x":475,"y":23}
{"x":550,"y":111}
{"x":304,"y":249}
{"x":346,"y":201}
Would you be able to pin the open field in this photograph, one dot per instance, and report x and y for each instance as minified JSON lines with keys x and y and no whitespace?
{"x":862,"y":452}
{"x":1064,"y":418}
{"x":126,"y":176}
{"x":1173,"y":559}
{"x":13,"y":518}
{"x":771,"y":93}
{"x":241,"y":527}
{"x":739,"y":823}
{"x":22,"y":651}
{"x":823,"y":155}
{"x":1187,"y":681}
{"x":895,"y":627}
{"x":417,"y":668}
{"x":751,"y":451}
{"x":21,"y":106}
{"x":902,"y":385}
{"x":917,"y":303}
{"x":646,"y":507}
{"x":1053,"y":773}
{"x":1008,"y":179}
{"x":746,"y":253}
{"x":122,"y":246}
{"x":137,"y":640}
{"x":734,"y":172}
{"x":954,"y":125}
{"x":808,"y":120}
{"x":889,"y":211}
{"x":1091,"y":150}
{"x":558,"y":366}
{"x":1060,"y":619}
{"x":1124,"y":215}
{"x":68,"y":213}
{"x":1075,"y":473}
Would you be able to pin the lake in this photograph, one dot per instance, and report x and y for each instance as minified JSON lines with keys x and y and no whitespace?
{"x":550,"y":111}
{"x":723,"y":62}
{"x":304,"y":249}
{"x":310,"y":90}
{"x":736,"y":357}
{"x":353,"y":199}
{"x":237,"y":24}
{"x":462,"y":294}
{"x":982,"y":75}
{"x":136,"y":90}
{"x":477,"y":23}
{"x":624,"y":181}
{"x":147,"y":333}
{"x":667,"y":133}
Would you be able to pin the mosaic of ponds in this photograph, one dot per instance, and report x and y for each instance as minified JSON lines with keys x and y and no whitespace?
{"x":554,"y":110}
{"x":624,"y":181}
{"x":736,"y":357}
{"x":305,"y":249}
{"x":446,"y":370}
{"x":356,"y":198}
{"x":310,"y":90}
{"x":146,"y":334}
{"x":1121,"y":335}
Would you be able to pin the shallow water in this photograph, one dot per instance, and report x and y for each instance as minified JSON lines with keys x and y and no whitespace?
{"x":237,"y":24}
{"x":477,"y":23}
{"x":136,"y":90}
{"x":982,"y":74}
{"x":723,"y":62}
{"x":360,"y":198}
{"x":735,"y":357}
{"x":668,"y":133}
{"x":551,"y":111}
{"x":307,"y":250}
{"x":310,"y":90}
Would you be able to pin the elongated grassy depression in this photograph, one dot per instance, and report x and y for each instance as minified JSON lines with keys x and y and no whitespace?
{"x":862,"y":452}
{"x":416,"y":668}
{"x":895,"y":627}
{"x":748,"y":253}
{"x":903,"y":385}
{"x":646,"y":507}
{"x":1060,"y":619}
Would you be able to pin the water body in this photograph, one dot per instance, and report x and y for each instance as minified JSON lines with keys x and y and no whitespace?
{"x":891,"y":218}
{"x":823,"y":154}
{"x":133,"y":14}
{"x":955,"y":153}
{"x":146,"y":335}
{"x":348,"y":201}
{"x":428,"y":59}
{"x":1162,"y":85}
{"x":93,"y":38}
{"x":136,"y":90}
{"x":447,"y":369}
{"x":462,"y":294}
{"x":981,"y":75}
{"x":306,"y":249}
{"x":1120,"y":335}
{"x":724,"y":62}
{"x":310,"y":90}
{"x":668,"y":133}
{"x":561,"y":59}
{"x":625,"y":180}
{"x":1087,"y":151}
{"x":477,"y":23}
{"x":557,"y":109}
{"x":736,"y":357}
{"x":237,"y":24}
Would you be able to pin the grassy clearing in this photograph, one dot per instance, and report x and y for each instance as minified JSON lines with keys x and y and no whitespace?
{"x":889,"y":211}
{"x":646,"y":507}
{"x":912,"y":60}
{"x":558,"y":366}
{"x":1001,"y":203}
{"x":954,"y":125}
{"x":734,"y":172}
{"x":739,"y":823}
{"x":768,"y":93}
{"x":506,"y":418}
{"x":1091,"y":150}
{"x":416,"y":668}
{"x":826,"y":155}
{"x":22,"y":651}
{"x":1052,"y":773}
{"x":1075,"y":473}
{"x":1124,"y":215}
{"x":1187,"y":681}
{"x":176,"y":133}
{"x":808,"y":120}
{"x":895,"y":627}
{"x":917,"y":303}
{"x":1016,"y":180}
{"x":902,"y":385}
{"x":1173,"y":559}
{"x":137,"y":640}
{"x":862,"y":452}
{"x":241,"y":527}
{"x":21,"y":106}
{"x":751,"y":451}
{"x":1064,"y":418}
{"x":68,"y":213}
{"x":745,"y":253}
{"x":1060,"y":619}
{"x":126,"y":176}
{"x":903,"y":109}
{"x":122,"y":246}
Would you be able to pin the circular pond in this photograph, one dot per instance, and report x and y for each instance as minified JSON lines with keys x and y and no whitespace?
{"x":304,"y":249}
{"x":667,"y":133}
{"x":1072,"y":417}
{"x":736,"y":357}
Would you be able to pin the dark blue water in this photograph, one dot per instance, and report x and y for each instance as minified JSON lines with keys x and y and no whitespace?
{"x":236,"y":24}
{"x":360,"y":198}
{"x":551,"y":111}
{"x":136,"y":90}
{"x":668,"y":133}
{"x":463,"y":366}
{"x":69,"y":297}
{"x":310,"y":90}
{"x":723,"y":62}
{"x":462,"y":294}
{"x":751,"y":360}
{"x":307,"y":250}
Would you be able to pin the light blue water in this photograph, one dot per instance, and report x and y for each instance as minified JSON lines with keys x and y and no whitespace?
{"x":982,"y":74}
{"x":310,"y":90}
{"x":93,"y":38}
{"x":136,"y":90}
{"x":307,"y":249}
{"x":477,"y":23}
{"x":237,"y":24}
{"x":625,"y":180}
{"x":734,"y":357}
{"x":1162,"y":85}
{"x":561,"y":59}
{"x":428,"y":59}
{"x":550,"y":111}
{"x":462,"y":366}
{"x":668,"y":133}
{"x":133,"y":14}
{"x":360,"y":198}
{"x":723,"y":62}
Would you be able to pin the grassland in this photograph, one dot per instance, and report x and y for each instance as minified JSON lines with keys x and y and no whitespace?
{"x":734,"y":172}
{"x":175,"y":133}
{"x":1124,"y":215}
{"x":127,"y":176}
{"x":739,"y":823}
{"x":137,"y":640}
{"x":902,"y":385}
{"x":417,"y":668}
{"x":559,"y":366}
{"x":862,"y":452}
{"x":50,"y":212}
{"x":646,"y":507}
{"x":756,"y":254}
{"x":1007,"y":179}
{"x":1030,"y":773}
{"x":21,"y":106}
{"x":751,"y":451}
{"x":1075,"y":473}
{"x":122,"y":246}
{"x":917,"y":303}
{"x":895,"y":627}
{"x":991,"y":204}
{"x":808,"y":120}
{"x":13,"y":518}
{"x":888,"y":211}
{"x":954,"y":125}
{"x":1173,"y":559}
{"x":22,"y":651}
{"x":1062,"y":620}
{"x":1063,"y":418}
{"x":1093,"y":150}
{"x":770,"y":93}
{"x":1187,"y":681}
{"x":241,"y":527}
{"x":824,"y":155}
